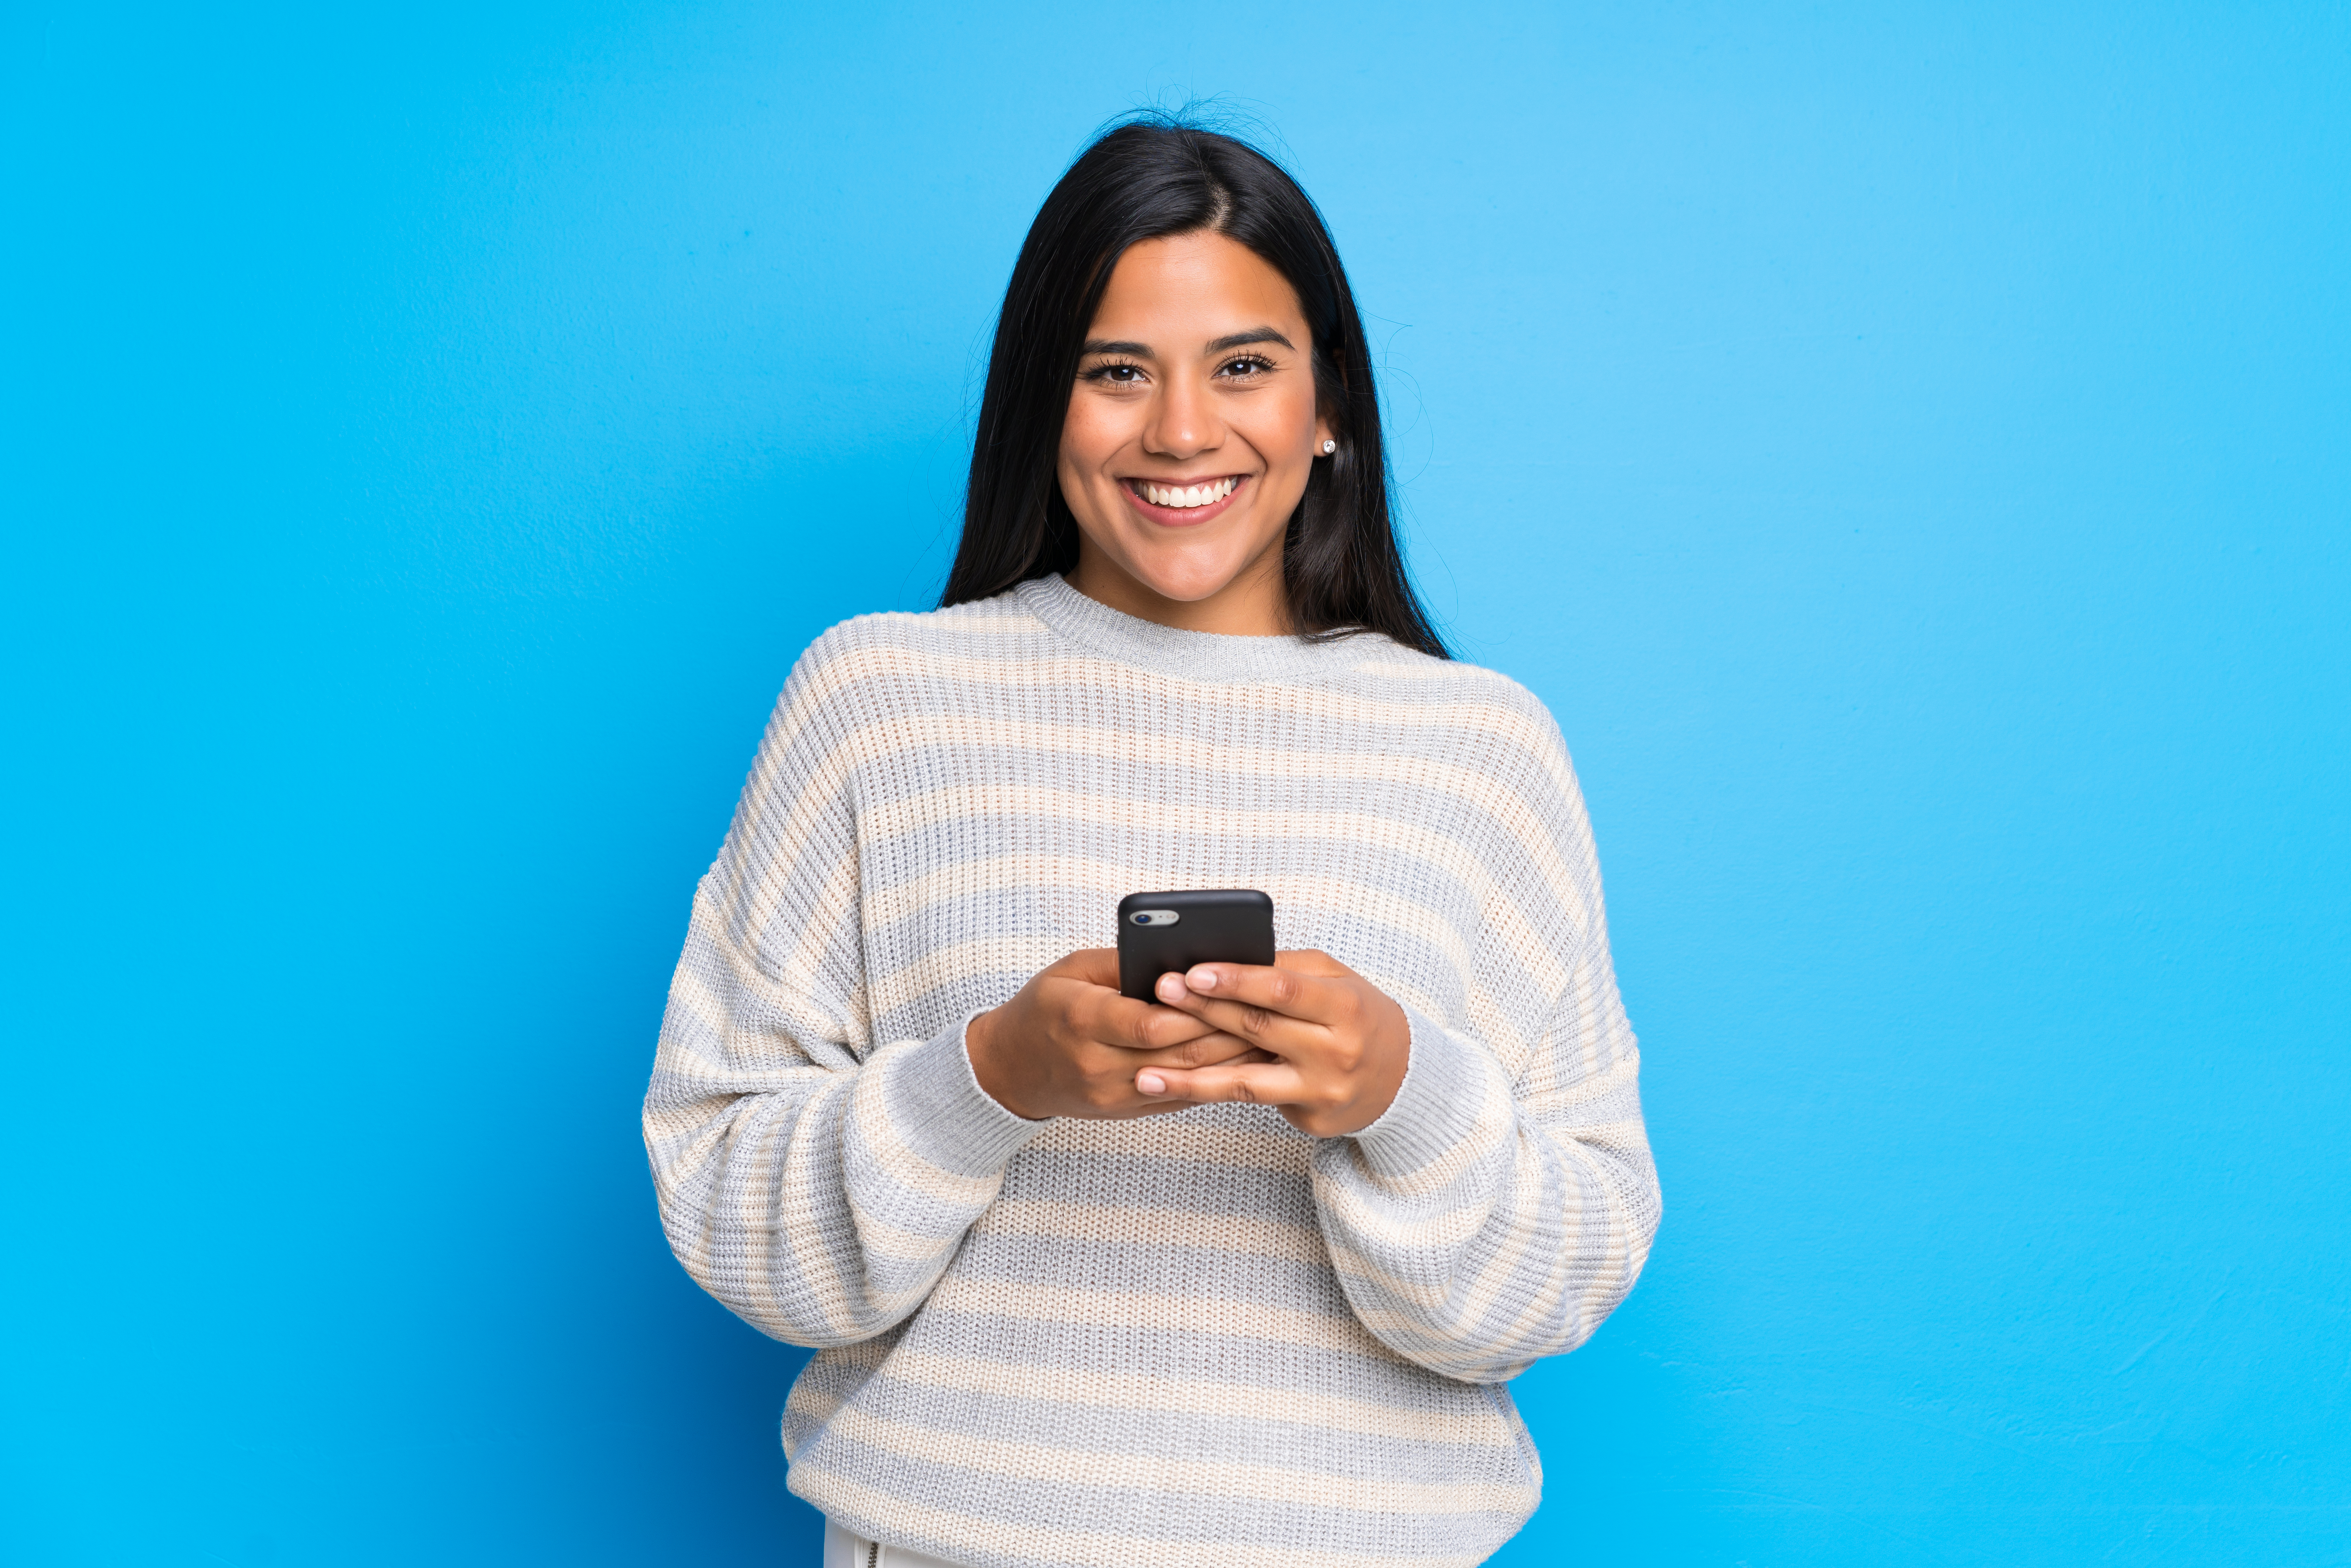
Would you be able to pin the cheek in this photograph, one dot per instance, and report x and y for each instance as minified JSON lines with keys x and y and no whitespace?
{"x":1286,"y":433}
{"x":1091,"y":435}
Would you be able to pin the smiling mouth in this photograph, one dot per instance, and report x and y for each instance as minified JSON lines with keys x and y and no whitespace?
{"x":1198,"y":499}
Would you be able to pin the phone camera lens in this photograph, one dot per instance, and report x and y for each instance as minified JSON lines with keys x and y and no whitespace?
{"x":1142,"y":919}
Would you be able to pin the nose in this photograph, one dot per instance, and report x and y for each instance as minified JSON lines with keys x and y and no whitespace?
{"x":1184,"y":421}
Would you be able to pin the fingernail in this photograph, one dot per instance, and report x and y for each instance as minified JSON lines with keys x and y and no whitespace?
{"x":1202,"y":979}
{"x":1151,"y":1083}
{"x":1171,"y":987}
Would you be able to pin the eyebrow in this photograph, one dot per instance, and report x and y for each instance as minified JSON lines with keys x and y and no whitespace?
{"x":1230,"y":341}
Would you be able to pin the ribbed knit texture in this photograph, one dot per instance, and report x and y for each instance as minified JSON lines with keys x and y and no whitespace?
{"x":1199,"y":1340}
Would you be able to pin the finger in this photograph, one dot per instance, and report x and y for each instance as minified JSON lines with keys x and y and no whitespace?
{"x":1312,"y":961}
{"x":1175,"y":988}
{"x":1262,"y":1028}
{"x":1094,"y":966}
{"x":1209,"y":1051}
{"x":1241,"y":1083}
{"x":1122,"y":1021}
{"x":1161,"y":1107}
{"x":1270,"y":986}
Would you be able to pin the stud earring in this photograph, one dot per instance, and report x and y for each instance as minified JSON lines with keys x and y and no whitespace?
{"x":1329,"y":447}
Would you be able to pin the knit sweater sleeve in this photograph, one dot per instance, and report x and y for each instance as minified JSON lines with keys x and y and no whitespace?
{"x":815,"y":1182}
{"x":1491,"y":1217}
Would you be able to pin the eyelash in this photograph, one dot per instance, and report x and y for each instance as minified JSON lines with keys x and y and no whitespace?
{"x":1102,"y":372}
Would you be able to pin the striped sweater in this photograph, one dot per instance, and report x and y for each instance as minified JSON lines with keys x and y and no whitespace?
{"x":1195,"y":1339}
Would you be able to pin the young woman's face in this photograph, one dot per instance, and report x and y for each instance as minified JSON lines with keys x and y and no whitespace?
{"x":1191,"y":431}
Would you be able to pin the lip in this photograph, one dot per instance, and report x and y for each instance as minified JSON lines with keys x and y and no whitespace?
{"x":1184,"y":517}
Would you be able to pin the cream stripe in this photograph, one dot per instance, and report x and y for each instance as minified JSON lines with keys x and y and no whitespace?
{"x":1422,"y":1227}
{"x":1607,"y":1277}
{"x":830,"y":913}
{"x":763,"y":894}
{"x":840,"y":641}
{"x":968,"y":618}
{"x":805,"y":1190}
{"x":1130,"y":1391}
{"x":1611,"y":1078}
{"x":1494,"y":1119}
{"x":1522,"y":1225}
{"x":1151,"y":1311}
{"x":1140,"y":1226}
{"x":692,"y":995}
{"x":1543,"y":1308}
{"x":883,"y":1239}
{"x":832,"y":1369}
{"x":947,"y":966}
{"x":1431,"y":670}
{"x":1278,"y":1148}
{"x":1198,"y":1479}
{"x":805,"y":1402}
{"x":839,"y":644}
{"x":1497,"y":904}
{"x":806,"y":1179}
{"x":1285,"y":1239}
{"x":1029,"y":1540}
{"x":1455,"y":1311}
{"x":1114,"y":880}
{"x":877,"y":1129}
{"x":686,"y":1134}
{"x":1288,"y":699}
{"x":707,"y":924}
{"x":773,"y":827}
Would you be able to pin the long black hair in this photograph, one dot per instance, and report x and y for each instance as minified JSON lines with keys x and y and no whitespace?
{"x":1146,"y":180}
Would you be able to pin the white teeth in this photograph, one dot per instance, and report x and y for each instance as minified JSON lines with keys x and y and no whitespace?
{"x":1183,"y":498}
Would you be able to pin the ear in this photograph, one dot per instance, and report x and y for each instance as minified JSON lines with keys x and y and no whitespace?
{"x":1323,"y":432}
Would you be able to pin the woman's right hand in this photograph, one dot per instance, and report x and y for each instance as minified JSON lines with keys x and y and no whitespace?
{"x":1070,"y":1045}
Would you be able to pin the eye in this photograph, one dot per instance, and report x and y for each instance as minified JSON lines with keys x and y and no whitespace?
{"x":1117,"y":373}
{"x":1246,"y":365}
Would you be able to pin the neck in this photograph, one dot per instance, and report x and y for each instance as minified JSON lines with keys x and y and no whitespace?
{"x":1255,"y":604}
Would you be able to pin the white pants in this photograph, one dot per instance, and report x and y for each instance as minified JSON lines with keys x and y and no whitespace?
{"x":847,"y":1549}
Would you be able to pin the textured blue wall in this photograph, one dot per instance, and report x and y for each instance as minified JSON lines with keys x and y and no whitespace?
{"x":1908,"y":453}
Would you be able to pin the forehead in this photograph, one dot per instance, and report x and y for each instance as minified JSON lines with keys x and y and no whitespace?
{"x":1194,"y":286}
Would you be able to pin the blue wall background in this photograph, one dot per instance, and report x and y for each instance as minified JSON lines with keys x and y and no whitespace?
{"x":1907,"y":450}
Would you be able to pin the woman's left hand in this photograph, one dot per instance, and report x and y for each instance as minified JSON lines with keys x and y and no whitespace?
{"x":1335,"y":1046}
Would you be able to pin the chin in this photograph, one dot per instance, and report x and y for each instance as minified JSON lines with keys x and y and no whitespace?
{"x":1188,"y":581}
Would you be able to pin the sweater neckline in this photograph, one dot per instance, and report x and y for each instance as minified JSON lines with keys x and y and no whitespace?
{"x":1212,"y":656}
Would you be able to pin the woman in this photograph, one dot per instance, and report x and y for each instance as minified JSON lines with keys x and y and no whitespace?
{"x":1235,"y":1277}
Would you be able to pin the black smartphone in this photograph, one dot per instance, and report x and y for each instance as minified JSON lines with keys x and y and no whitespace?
{"x":1158,"y":932}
